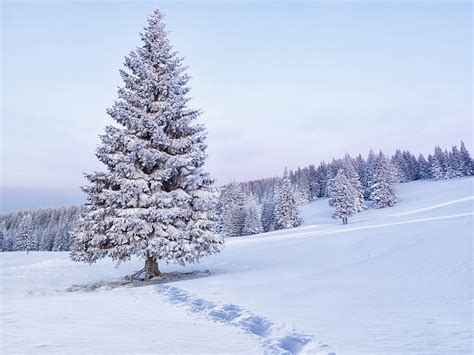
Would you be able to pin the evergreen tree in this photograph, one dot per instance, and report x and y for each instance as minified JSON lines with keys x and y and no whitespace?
{"x":330,"y":186}
{"x":232,"y":214}
{"x":62,"y":242}
{"x":2,"y":236}
{"x":301,"y":195}
{"x":359,"y":165}
{"x":402,"y":167}
{"x":25,"y":239}
{"x":424,"y":170}
{"x":438,"y":165}
{"x":322,"y":175}
{"x":314,"y":188}
{"x":287,"y":210}
{"x":466,"y":163}
{"x":8,"y":241}
{"x":454,"y":163}
{"x":252,"y":222}
{"x":369,"y":172}
{"x":343,"y":197}
{"x":430,"y":160}
{"x":46,"y":240}
{"x":382,"y":190}
{"x":154,"y":201}
{"x":354,"y":180}
{"x":268,"y":214}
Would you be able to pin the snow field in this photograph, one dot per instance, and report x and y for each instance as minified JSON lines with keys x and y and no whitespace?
{"x":396,"y":280}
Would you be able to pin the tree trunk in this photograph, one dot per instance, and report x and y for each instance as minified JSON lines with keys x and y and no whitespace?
{"x":151,"y":268}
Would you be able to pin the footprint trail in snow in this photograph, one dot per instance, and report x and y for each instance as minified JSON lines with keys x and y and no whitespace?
{"x":275,"y":339}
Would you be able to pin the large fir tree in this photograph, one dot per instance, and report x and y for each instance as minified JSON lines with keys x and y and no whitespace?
{"x":154,"y":201}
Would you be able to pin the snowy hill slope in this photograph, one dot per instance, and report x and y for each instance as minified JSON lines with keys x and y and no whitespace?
{"x":397,"y":280}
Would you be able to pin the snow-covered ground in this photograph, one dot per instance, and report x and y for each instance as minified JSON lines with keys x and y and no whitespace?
{"x":397,"y":280}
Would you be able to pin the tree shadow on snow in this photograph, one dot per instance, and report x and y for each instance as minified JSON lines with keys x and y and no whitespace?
{"x":126,"y":281}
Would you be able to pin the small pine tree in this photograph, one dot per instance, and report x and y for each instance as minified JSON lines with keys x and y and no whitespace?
{"x":343,"y":197}
{"x":382,"y":190}
{"x":154,"y":201}
{"x":287,"y":205}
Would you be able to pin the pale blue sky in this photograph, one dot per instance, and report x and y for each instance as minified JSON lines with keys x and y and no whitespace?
{"x":280,"y":84}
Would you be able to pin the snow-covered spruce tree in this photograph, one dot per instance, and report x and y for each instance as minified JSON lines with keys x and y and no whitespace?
{"x":287,"y":205}
{"x":369,"y":173}
{"x":268,"y":214}
{"x":467,"y":165}
{"x":439,"y":166}
{"x":400,"y":162}
{"x":3,"y":231}
{"x":231,"y":211}
{"x":321,"y":179}
{"x":330,"y":186}
{"x":382,"y":190}
{"x":353,"y":177}
{"x":25,"y":239}
{"x":454,"y":163}
{"x":342,"y":196}
{"x":46,"y":241}
{"x":252,"y":221}
{"x":154,"y":201}
{"x":425,"y":170}
{"x":301,"y":195}
{"x":62,"y":242}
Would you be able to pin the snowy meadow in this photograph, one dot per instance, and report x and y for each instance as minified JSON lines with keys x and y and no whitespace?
{"x":394,"y":280}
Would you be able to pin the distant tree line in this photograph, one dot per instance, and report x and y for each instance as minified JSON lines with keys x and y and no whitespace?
{"x":252,"y":207}
{"x":41,"y":229}
{"x":349,"y":183}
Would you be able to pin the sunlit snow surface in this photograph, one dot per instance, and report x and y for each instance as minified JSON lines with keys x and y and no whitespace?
{"x":397,"y":280}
